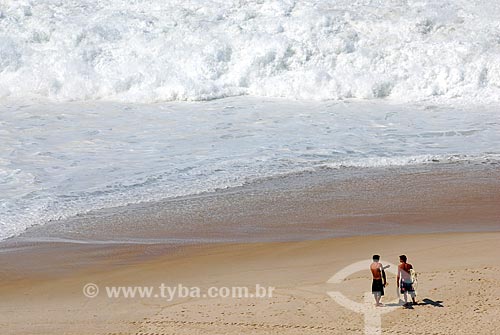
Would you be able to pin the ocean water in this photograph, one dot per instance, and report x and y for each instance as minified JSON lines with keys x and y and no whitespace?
{"x":158,"y":50}
{"x":108,"y":103}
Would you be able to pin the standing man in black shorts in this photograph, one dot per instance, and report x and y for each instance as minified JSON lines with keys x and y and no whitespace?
{"x":379,"y":280}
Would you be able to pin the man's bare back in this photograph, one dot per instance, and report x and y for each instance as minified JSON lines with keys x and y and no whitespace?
{"x":404,"y":269}
{"x":376,"y":269}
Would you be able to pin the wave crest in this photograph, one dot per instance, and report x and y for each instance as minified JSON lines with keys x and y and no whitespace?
{"x":152,"y":50}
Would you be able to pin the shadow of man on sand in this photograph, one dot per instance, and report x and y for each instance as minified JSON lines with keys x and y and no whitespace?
{"x":424,"y":302}
{"x":428,"y":301}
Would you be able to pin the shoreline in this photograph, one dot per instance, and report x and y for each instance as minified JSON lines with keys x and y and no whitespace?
{"x":309,"y":205}
{"x":434,"y":198}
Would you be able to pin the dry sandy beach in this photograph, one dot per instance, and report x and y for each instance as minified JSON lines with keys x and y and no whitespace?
{"x":458,"y":291}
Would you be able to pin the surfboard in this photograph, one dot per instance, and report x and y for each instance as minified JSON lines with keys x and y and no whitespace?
{"x":414,"y":279}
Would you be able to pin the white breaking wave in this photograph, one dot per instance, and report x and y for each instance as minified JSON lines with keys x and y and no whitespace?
{"x":157,"y":50}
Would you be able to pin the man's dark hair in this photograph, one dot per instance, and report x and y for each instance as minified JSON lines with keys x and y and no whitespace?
{"x":376,"y":257}
{"x":402,"y":258}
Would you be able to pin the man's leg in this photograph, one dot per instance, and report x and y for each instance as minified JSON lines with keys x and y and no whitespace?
{"x":378,"y":296}
{"x":412,"y":293}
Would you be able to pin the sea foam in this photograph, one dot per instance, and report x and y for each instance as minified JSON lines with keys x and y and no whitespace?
{"x":156,"y":50}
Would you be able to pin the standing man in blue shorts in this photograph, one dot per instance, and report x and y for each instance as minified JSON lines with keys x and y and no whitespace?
{"x":405,"y":282}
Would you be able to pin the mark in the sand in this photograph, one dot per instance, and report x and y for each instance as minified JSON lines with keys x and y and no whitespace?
{"x":235,"y":324}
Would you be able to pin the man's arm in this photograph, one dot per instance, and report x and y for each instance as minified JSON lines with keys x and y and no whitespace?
{"x":397,"y":279}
